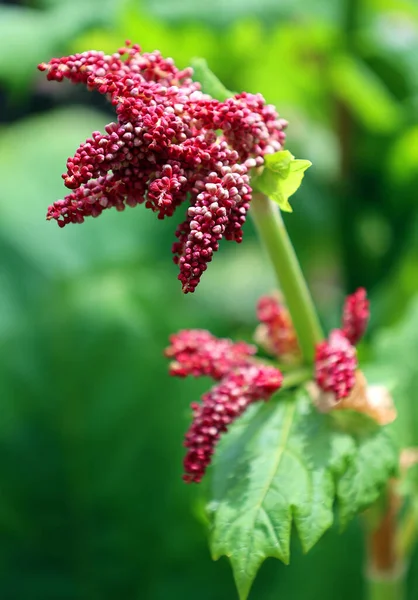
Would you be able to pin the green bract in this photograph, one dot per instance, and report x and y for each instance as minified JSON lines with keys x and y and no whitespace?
{"x":285,"y":463}
{"x":281,"y":177}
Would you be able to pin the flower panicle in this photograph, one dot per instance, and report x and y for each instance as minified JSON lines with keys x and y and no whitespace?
{"x":222,"y":405}
{"x":356,"y":314}
{"x":336,"y":358}
{"x":170,"y":144}
{"x":335,"y":365}
{"x":198,"y":353}
{"x":276,"y":333}
{"x":241,"y":381}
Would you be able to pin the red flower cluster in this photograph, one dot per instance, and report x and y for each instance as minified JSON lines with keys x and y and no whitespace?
{"x":219,"y":408}
{"x":242,"y":382}
{"x":197,"y":352}
{"x":335,"y":365}
{"x":356,"y":315}
{"x":276,"y":333}
{"x":171,"y":144}
{"x":336,"y":358}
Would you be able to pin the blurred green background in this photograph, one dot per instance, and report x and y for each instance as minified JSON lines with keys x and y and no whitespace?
{"x":92,"y":505}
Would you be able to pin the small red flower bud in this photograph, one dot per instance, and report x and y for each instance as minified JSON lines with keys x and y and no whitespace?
{"x":356,"y":315}
{"x":335,"y":365}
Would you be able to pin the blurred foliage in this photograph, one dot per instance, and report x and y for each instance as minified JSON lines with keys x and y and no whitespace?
{"x":28,"y":35}
{"x":394,"y":364}
{"x":91,"y":503}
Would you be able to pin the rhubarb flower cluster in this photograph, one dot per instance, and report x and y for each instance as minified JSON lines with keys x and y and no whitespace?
{"x":171,"y":145}
{"x":336,"y":358}
{"x":276,"y":333}
{"x":335,"y":365}
{"x":242,"y":381}
{"x":356,"y":315}
{"x":198,"y":353}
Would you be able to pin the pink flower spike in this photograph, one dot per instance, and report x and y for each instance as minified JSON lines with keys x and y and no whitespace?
{"x":276,"y":333}
{"x":198,"y":353}
{"x":214,"y":211}
{"x":356,"y":315}
{"x":335,"y":365}
{"x":222,"y":405}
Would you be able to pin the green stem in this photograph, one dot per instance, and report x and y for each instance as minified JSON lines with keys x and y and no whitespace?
{"x":296,"y":378}
{"x":407,"y":532}
{"x":389,"y":587}
{"x":273,"y":233}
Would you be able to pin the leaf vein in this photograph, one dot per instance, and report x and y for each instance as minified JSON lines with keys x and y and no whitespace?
{"x":279,"y":453}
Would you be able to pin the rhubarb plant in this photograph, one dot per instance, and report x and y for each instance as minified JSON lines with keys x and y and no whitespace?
{"x":305,"y":437}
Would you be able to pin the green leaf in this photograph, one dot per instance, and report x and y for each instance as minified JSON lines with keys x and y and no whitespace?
{"x":281,"y":177}
{"x":210,"y":83}
{"x":286,"y":463}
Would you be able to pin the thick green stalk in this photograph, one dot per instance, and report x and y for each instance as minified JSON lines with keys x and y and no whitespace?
{"x":273,"y":233}
{"x":386,"y":588}
{"x":296,"y":378}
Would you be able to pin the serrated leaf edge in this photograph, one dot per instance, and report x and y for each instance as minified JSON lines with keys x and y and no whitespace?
{"x":284,"y":556}
{"x":336,"y":471}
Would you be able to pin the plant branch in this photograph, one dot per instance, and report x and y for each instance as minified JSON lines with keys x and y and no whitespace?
{"x":386,"y":568}
{"x":386,"y":588}
{"x":407,"y":532}
{"x":273,"y":233}
{"x":296,"y":378}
